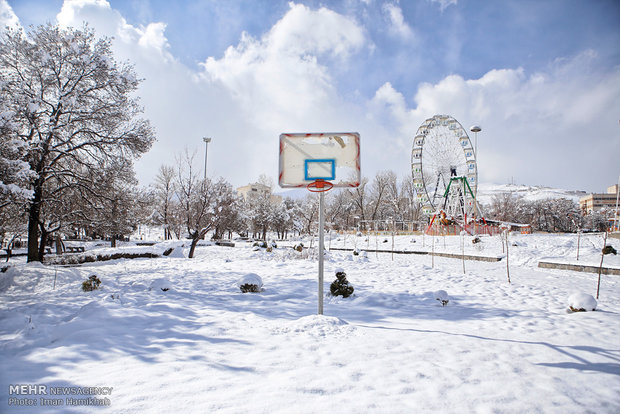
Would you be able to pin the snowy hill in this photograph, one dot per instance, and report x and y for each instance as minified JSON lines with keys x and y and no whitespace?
{"x":487,"y":191}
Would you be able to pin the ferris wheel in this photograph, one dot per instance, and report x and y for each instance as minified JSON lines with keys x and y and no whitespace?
{"x":441,"y":153}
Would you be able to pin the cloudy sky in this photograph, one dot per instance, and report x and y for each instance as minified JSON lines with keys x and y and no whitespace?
{"x":542,"y":79}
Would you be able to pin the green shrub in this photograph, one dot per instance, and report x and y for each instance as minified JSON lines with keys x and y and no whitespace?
{"x":248,"y":287}
{"x":341,"y":286}
{"x":92,"y":283}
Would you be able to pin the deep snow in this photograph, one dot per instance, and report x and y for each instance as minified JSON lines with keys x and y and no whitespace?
{"x":203,"y":346}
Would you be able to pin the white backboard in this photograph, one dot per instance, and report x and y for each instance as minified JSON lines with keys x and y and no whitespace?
{"x":307,"y":157}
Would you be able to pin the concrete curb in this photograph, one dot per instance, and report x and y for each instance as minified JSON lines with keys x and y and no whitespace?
{"x":579,"y":268}
{"x":450,"y":255}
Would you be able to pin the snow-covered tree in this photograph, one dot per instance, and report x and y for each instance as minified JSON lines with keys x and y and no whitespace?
{"x":15,"y":173}
{"x":70,"y":104}
{"x":259,"y":211}
{"x":226,"y":207}
{"x":309,"y":213}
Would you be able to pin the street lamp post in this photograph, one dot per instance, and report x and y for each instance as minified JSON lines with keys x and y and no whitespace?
{"x":475,"y":129}
{"x":206,"y":140}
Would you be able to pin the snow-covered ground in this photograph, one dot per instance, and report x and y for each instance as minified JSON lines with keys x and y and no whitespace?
{"x":177,"y":335}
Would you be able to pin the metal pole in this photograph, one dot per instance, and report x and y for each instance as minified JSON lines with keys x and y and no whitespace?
{"x":507,"y":260}
{"x":475,"y":129}
{"x":463,"y":250}
{"x":600,"y":268}
{"x":392,"y":239}
{"x":616,"y":211}
{"x":206,"y":140}
{"x":321,"y":248}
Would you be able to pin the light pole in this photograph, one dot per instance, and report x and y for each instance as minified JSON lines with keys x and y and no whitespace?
{"x":206,"y":140}
{"x":475,"y":129}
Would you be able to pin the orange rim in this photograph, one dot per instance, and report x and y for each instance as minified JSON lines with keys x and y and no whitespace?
{"x":319,"y":186}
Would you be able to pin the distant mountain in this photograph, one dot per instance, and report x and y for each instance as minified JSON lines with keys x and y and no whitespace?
{"x":487,"y":191}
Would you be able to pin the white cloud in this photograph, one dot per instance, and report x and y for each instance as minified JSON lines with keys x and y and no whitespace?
{"x":7,"y":16}
{"x":443,"y":4}
{"x":244,"y":100}
{"x":549,"y":127}
{"x":279,"y":79}
{"x":546,"y":128}
{"x":397,"y":24}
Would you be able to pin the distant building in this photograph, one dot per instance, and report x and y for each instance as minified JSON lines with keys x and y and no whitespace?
{"x":596,"y":202}
{"x":258,"y":189}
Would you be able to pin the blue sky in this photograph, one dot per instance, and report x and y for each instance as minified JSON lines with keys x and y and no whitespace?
{"x":542,"y":78}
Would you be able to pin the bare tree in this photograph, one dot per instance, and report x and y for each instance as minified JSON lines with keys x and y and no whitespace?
{"x":196,"y":199}
{"x":72,"y":105}
{"x":506,"y":207}
{"x":413,"y":209}
{"x":359,"y":199}
{"x":164,"y":193}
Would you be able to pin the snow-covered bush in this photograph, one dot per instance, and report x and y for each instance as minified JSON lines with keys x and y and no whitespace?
{"x":92,"y":283}
{"x":581,"y":302}
{"x":260,"y":243}
{"x":162,"y":284}
{"x":442,"y":297}
{"x":609,"y":249}
{"x":341,"y":286}
{"x":250,"y":282}
{"x":298,"y":247}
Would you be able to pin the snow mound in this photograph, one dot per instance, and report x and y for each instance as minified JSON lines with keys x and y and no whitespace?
{"x":442,"y":297}
{"x":581,"y":302}
{"x":177,"y":252}
{"x":318,"y":325}
{"x":250,"y":279}
{"x":250,"y":282}
{"x":160,"y":285}
{"x":6,"y":279}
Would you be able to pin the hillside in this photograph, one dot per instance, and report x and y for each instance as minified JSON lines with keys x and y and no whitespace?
{"x":487,"y":191}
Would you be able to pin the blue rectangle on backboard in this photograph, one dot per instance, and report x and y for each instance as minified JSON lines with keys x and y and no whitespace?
{"x":320,"y":169}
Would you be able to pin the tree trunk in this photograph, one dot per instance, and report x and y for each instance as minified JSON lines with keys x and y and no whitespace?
{"x":193,"y":246}
{"x":43,"y":242}
{"x":34,"y":214}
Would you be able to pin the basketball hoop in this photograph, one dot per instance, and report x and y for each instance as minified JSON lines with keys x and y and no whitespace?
{"x":320,"y":161}
{"x":320,"y":186}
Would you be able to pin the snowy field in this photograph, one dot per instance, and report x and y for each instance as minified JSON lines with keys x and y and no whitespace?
{"x":202,"y":346}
